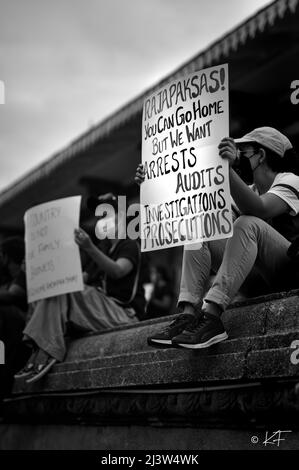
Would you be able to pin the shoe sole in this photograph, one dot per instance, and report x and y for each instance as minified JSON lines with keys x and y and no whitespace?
{"x":22,"y":376}
{"x":40,"y":374}
{"x":159,"y":341}
{"x":210,"y":342}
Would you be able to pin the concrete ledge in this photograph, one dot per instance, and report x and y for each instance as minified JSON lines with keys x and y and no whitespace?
{"x":260,"y":333}
{"x":272,"y":403}
{"x":113,"y":388}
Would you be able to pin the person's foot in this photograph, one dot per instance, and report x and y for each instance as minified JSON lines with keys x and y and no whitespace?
{"x":203,"y":332}
{"x":176,"y":327}
{"x":43,"y":363}
{"x":28,"y":368}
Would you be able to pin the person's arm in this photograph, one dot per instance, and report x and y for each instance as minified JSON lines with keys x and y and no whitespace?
{"x":266,"y":206}
{"x":114,"y":269}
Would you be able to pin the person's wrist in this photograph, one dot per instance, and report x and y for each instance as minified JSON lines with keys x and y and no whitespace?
{"x":90,"y":248}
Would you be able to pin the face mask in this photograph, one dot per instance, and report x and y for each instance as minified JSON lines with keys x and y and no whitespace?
{"x":105,"y":228}
{"x":244,"y":170}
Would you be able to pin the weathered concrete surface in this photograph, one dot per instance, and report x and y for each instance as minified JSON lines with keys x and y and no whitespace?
{"x":28,"y":437}
{"x":274,"y":403}
{"x":260,"y":334}
{"x":115,"y":391}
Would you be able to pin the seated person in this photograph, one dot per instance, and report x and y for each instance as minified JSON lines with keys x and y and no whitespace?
{"x":160,"y":301}
{"x":13,"y":307}
{"x":268,"y":223}
{"x":93,"y":309}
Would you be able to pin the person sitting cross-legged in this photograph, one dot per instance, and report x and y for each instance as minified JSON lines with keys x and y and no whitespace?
{"x":93,"y":309}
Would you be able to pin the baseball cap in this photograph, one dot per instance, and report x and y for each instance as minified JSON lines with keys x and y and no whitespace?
{"x":268,"y":137}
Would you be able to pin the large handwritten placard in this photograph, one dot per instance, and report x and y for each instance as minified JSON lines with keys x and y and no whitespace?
{"x":53,"y":264}
{"x":185,"y":197}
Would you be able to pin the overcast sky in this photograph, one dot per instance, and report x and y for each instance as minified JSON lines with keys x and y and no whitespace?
{"x":67,"y":64}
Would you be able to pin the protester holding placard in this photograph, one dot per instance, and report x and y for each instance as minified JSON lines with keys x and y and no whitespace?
{"x":263,"y":232}
{"x":94,"y":309}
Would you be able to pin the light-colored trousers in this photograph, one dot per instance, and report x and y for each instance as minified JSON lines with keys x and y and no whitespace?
{"x":256,"y":252}
{"x":90,"y":310}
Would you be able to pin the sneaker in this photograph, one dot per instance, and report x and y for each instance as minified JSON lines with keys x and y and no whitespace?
{"x":28,"y":368}
{"x":174,"y":328}
{"x":41,"y":370}
{"x":202,"y":333}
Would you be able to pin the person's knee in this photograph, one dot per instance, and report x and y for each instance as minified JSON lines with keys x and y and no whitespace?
{"x":247,"y":223}
{"x":193,"y":253}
